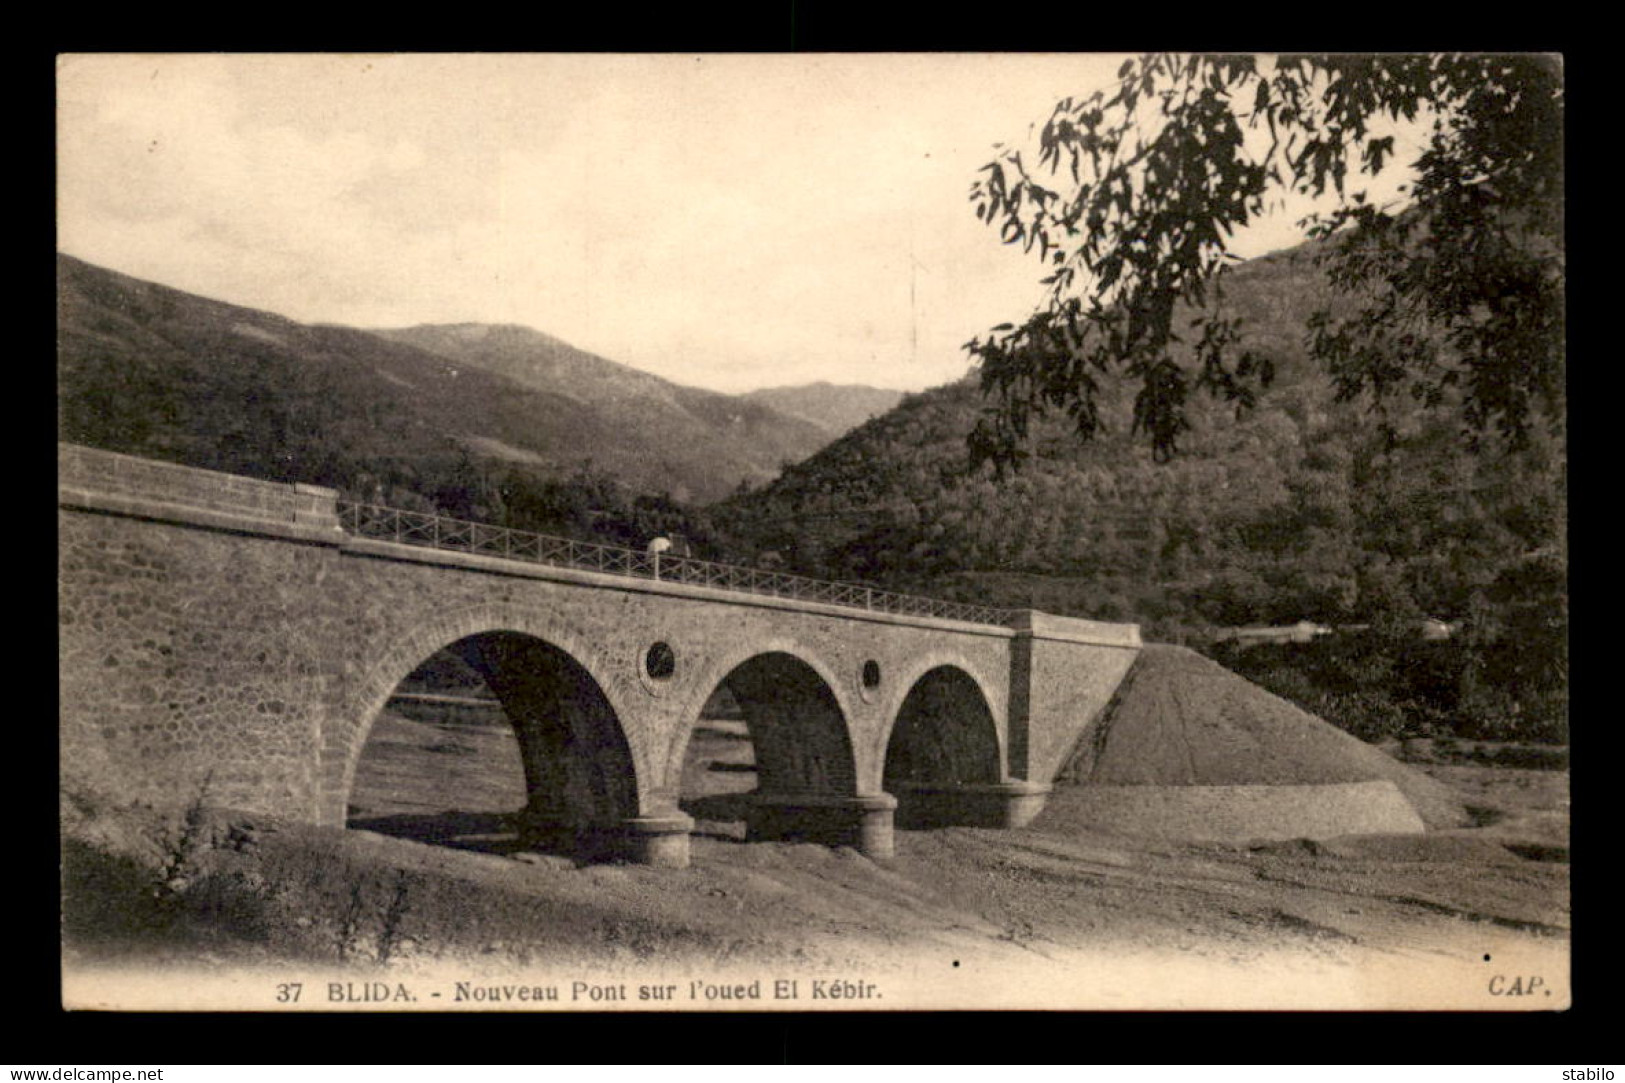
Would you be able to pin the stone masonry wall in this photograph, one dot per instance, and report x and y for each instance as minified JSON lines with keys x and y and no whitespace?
{"x":1063,"y":674}
{"x":184,"y":658}
{"x":1072,"y":683}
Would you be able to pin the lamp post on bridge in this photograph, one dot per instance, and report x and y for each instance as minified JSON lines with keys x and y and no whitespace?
{"x":656,"y":547}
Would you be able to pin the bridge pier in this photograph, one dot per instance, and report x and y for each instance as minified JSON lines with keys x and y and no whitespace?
{"x":864,"y":823}
{"x":969,"y":804}
{"x":659,"y":840}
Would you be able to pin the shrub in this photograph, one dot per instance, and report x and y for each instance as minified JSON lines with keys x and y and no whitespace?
{"x":1378,"y":686}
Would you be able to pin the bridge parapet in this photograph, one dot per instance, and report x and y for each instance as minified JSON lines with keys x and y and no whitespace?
{"x":1074,"y":629}
{"x":440,"y":532}
{"x":109,"y":481}
{"x":145,"y":488}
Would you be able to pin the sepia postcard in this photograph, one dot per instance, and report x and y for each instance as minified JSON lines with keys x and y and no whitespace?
{"x":803,"y":532}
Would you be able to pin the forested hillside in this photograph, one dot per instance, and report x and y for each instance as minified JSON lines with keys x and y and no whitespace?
{"x":694,"y":443}
{"x":471,"y":423}
{"x":415,"y":414}
{"x":1304,"y":508}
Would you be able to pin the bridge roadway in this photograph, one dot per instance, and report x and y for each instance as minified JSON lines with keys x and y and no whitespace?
{"x":228,"y":635}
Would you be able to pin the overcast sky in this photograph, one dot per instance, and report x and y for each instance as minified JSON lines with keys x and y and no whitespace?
{"x":730,"y":222}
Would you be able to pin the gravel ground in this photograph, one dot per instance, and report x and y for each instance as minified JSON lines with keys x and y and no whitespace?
{"x":1058,"y":915}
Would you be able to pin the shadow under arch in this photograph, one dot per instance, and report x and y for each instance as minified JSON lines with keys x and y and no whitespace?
{"x":943,"y":751}
{"x":399,"y":651}
{"x":802,"y":747}
{"x":580,"y":782}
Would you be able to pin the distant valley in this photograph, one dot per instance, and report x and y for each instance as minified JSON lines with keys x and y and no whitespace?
{"x":836,"y":408}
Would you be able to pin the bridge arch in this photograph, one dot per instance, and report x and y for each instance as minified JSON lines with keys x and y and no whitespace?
{"x":814,"y":692}
{"x":943,"y":750}
{"x":522,"y":638}
{"x":908,"y":683}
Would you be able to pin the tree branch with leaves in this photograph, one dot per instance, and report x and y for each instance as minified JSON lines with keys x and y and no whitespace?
{"x":1138,"y":191}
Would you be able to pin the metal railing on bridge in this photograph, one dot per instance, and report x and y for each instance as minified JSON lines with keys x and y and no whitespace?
{"x":440,"y":532}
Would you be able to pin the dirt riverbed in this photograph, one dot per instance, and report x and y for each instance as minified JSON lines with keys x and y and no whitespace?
{"x":433,"y":896}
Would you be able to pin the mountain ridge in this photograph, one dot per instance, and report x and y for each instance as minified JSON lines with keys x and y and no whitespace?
{"x":149,"y":369}
{"x":838,"y":408}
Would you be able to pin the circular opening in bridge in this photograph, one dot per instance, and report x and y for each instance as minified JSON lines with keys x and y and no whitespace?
{"x":660,"y":662}
{"x":871,"y":674}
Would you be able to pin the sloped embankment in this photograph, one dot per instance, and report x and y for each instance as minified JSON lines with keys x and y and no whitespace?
{"x":1189,"y":749}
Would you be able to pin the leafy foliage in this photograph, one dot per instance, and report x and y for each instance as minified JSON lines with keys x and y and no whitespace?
{"x":1136,"y":190}
{"x":1380,"y":684}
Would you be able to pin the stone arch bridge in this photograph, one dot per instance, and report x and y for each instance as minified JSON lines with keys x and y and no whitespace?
{"x":250,"y":632}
